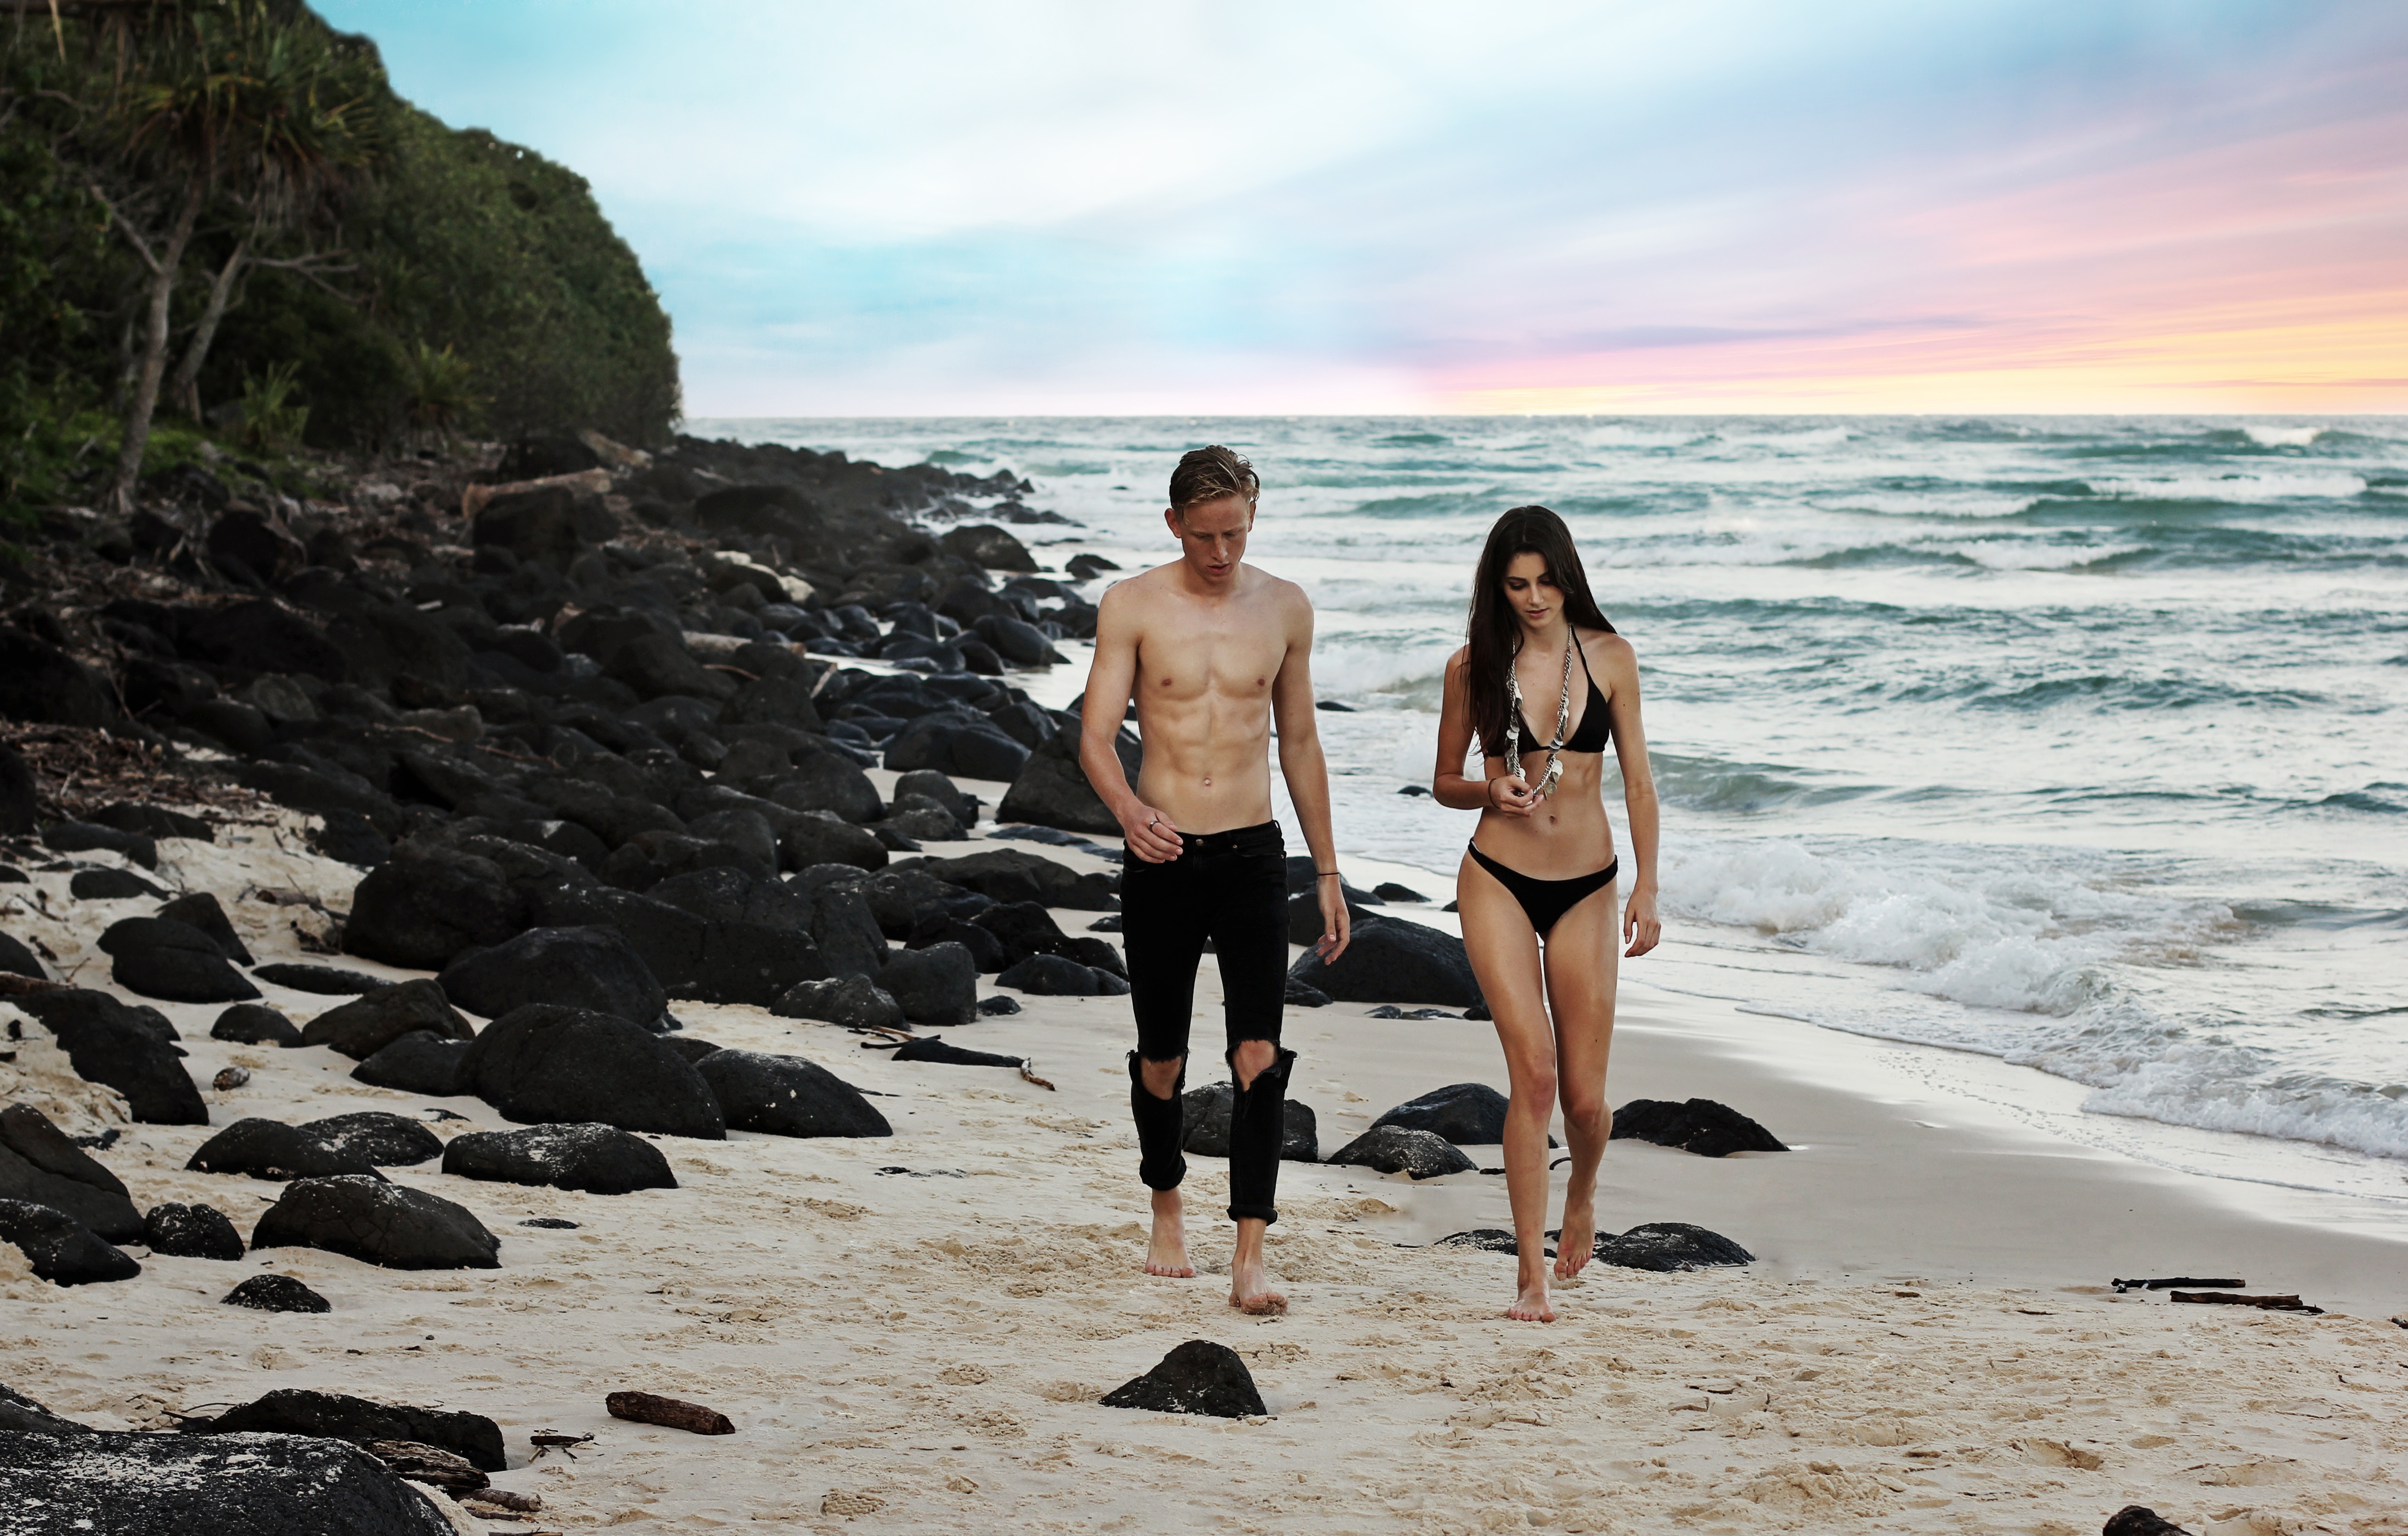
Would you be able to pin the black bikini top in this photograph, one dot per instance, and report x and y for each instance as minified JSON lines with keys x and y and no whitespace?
{"x":1595,"y":727}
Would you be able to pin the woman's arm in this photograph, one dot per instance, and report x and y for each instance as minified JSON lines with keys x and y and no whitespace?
{"x":1497,"y":790}
{"x":1640,"y":927}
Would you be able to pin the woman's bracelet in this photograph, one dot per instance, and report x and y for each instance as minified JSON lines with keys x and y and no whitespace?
{"x":1324,"y":874}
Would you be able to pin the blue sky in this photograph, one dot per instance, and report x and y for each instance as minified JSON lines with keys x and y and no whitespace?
{"x":948,"y":209}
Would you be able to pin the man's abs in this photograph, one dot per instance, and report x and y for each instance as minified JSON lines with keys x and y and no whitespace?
{"x":1206,"y":721}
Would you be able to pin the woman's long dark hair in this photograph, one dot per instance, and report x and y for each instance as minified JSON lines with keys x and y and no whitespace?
{"x":1496,"y":632}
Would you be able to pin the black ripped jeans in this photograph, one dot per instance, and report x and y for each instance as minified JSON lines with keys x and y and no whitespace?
{"x":1231,"y":888}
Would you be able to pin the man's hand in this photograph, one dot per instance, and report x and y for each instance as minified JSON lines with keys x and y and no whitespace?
{"x":1511,"y":795}
{"x":1640,"y":929}
{"x":1335,"y":919}
{"x":1151,"y":836}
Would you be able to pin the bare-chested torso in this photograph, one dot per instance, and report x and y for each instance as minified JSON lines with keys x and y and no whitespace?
{"x":1205,"y":671}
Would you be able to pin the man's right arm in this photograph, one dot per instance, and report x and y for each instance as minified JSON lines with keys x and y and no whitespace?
{"x":1110,"y":678}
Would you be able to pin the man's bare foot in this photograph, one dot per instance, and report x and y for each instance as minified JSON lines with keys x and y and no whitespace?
{"x":1250,"y":1290}
{"x":1576,"y":1244}
{"x":1531,"y":1305}
{"x":1167,"y":1253}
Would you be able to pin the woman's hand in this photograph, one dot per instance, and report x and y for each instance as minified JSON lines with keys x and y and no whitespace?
{"x":1640,"y":929}
{"x":1511,"y":795}
{"x":1151,"y":836}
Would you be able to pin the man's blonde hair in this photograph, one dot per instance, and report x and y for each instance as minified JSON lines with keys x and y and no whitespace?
{"x":1208,"y":474}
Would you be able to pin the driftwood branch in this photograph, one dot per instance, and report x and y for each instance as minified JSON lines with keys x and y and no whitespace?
{"x":645,"y":1408}
{"x":2264,"y":1303}
{"x":2183,"y":1281}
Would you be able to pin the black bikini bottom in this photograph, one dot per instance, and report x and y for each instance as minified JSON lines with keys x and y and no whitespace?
{"x":1545,"y":901}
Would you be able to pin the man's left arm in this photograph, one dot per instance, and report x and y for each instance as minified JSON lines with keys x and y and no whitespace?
{"x":1308,"y":773}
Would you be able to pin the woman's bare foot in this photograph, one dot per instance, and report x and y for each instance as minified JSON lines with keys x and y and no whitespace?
{"x":1576,"y":1244}
{"x":1167,"y":1253}
{"x":1530,"y":1305}
{"x":1250,"y":1289}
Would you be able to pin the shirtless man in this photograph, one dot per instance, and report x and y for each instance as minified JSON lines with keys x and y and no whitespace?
{"x":1212,"y":651}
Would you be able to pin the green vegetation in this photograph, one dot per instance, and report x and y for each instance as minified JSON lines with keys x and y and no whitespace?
{"x":221,"y":205}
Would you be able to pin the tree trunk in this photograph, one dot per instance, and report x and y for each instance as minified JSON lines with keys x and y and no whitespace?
{"x":186,"y":389}
{"x":163,"y":266}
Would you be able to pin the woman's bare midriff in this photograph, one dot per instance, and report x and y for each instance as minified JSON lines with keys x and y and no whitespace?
{"x":1567,"y":836}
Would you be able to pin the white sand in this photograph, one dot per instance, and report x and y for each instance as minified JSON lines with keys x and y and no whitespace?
{"x":1926,"y":1343}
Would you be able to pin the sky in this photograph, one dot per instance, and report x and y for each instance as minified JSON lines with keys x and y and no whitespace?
{"x":1075,"y":206}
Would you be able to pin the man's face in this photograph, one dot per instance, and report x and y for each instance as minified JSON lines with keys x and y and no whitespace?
{"x":1212,"y":535}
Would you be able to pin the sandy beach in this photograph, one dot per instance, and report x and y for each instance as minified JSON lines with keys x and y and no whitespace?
{"x":911,"y":1334}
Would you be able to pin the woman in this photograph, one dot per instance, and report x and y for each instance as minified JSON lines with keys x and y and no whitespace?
{"x":1541,"y":870}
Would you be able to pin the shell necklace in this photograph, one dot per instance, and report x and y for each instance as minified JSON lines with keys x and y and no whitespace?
{"x":1546,"y":785}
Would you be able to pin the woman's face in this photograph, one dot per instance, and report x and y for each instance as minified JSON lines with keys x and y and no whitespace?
{"x":1530,"y":591}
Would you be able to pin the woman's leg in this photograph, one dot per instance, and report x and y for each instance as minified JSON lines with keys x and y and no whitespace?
{"x":1582,"y":964}
{"x":1504,"y":954}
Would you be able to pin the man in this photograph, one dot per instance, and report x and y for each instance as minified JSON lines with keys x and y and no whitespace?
{"x":1212,"y":650}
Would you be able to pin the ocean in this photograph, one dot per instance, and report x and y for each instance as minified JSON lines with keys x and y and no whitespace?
{"x":2077,"y":743}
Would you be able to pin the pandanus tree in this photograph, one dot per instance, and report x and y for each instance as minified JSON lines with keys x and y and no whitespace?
{"x":225,"y":105}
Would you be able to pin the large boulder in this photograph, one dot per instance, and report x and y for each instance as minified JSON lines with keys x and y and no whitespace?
{"x":128,"y":1049}
{"x":787,"y":1096}
{"x":269,"y":1149}
{"x":20,"y":1412}
{"x":984,"y":544}
{"x":596,"y":1158}
{"x":425,"y":905}
{"x":541,"y":523}
{"x":1204,"y":1124}
{"x":113,"y":1483}
{"x":936,"y":986}
{"x":363,"y":1217}
{"x":17,"y":960}
{"x":1388,"y":960}
{"x":90,"y":836}
{"x":1059,"y":976}
{"x":366,"y":1024}
{"x":1394,"y":1149}
{"x":1051,"y":789}
{"x":1013,"y":874}
{"x":40,"y":1166}
{"x":419,"y":1062}
{"x":377,"y":1137}
{"x":160,"y":958}
{"x":547,"y":1065}
{"x":176,"y":1231}
{"x":60,"y":1249}
{"x":590,"y":967}
{"x":1699,"y":1125}
{"x":1670,"y":1247}
{"x":974,"y":749}
{"x":20,"y":793}
{"x":657,"y":666}
{"x":299,"y":1411}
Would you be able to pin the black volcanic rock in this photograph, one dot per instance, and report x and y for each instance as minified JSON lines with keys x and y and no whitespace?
{"x":269,"y":1149}
{"x":1204,"y":1124}
{"x":1699,"y":1125}
{"x":255,"y":1024}
{"x":333,"y":1415}
{"x":275,"y":1293}
{"x":1388,"y":960}
{"x":200,"y":910}
{"x":590,"y":967}
{"x":1669,"y":1247}
{"x":545,"y":1065}
{"x":176,"y":1230}
{"x":787,"y":1096}
{"x":425,"y":905}
{"x":377,"y":1137}
{"x":1394,"y":1149}
{"x":1051,"y":789}
{"x":363,"y":1217}
{"x":40,"y":1166}
{"x":60,"y":1249}
{"x":367,"y":1024}
{"x":129,"y":1049}
{"x":160,"y":958}
{"x":1197,"y":1377}
{"x":111,"y":1483}
{"x":596,"y":1158}
{"x":936,"y":987}
{"x":419,"y":1062}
